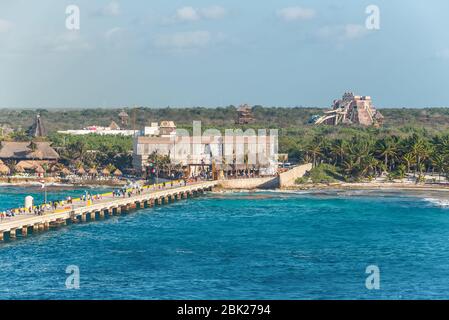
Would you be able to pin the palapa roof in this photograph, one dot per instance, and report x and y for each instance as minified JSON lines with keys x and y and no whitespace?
{"x":167,"y":124}
{"x":117,"y":172}
{"x":39,"y":169}
{"x":28,"y":164}
{"x":4,"y":169}
{"x":106,"y":171}
{"x":93,"y":171}
{"x":81,"y":170}
{"x":22,"y":151}
{"x":114,"y":126}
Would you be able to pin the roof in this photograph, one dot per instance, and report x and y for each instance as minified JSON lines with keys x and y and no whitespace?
{"x":167,"y":124}
{"x":114,"y":126}
{"x":244,"y":108}
{"x":38,"y":128}
{"x":21,"y":150}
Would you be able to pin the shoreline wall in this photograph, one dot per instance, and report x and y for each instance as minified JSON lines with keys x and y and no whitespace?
{"x":284,"y":180}
{"x":287,"y":179}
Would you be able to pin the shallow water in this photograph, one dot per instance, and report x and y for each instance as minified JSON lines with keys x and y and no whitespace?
{"x":267,"y":245}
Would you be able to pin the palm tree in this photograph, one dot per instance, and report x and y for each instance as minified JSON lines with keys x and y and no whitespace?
{"x":339,"y":150}
{"x":314,"y":151}
{"x":388,"y":150}
{"x":439,"y":163}
{"x":409,"y":159}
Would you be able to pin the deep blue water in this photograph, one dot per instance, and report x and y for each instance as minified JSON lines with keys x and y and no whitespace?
{"x":241,"y":246}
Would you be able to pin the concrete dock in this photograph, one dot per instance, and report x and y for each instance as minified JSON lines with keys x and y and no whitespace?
{"x":24,"y":224}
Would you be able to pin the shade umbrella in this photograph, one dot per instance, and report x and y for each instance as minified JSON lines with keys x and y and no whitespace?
{"x":106,"y":172}
{"x":117,"y":173}
{"x":4,"y":169}
{"x":81,"y":171}
{"x":93,"y":171}
{"x":39,"y":169}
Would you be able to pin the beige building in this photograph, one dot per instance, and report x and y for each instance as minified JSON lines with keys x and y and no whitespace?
{"x":226,"y":153}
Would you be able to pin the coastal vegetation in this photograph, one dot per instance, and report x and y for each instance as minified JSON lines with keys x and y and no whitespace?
{"x":411,"y":141}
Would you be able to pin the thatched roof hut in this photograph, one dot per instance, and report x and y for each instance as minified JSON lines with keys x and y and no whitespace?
{"x":37,"y":154}
{"x":81,"y":171}
{"x":118,"y":173}
{"x":4,"y":169}
{"x":39,"y":169}
{"x":65,"y":171}
{"x":22,"y":151}
{"x":93,"y":171}
{"x":105,"y":172}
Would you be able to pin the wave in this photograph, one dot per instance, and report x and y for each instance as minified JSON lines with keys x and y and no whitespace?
{"x":438,"y":202}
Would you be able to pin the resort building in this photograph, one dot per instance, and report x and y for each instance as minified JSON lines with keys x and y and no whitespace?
{"x":112,"y":129}
{"x":244,"y":115}
{"x":351,"y":109}
{"x":223,"y":153}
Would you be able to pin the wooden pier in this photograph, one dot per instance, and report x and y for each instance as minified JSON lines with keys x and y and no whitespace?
{"x":22,"y":225}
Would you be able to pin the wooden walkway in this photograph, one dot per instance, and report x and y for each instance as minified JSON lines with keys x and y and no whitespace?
{"x":79,"y":211}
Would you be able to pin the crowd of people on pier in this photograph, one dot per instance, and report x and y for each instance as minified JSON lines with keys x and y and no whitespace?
{"x":124,"y":192}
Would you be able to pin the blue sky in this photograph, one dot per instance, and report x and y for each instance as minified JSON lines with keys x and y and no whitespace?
{"x":211,"y":53}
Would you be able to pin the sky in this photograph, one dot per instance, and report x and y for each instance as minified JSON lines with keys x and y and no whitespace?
{"x":176,"y":53}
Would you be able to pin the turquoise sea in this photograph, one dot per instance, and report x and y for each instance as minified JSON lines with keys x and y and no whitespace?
{"x":261,"y":245}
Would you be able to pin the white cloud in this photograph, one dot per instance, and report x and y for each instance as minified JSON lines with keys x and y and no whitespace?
{"x":214,"y":12}
{"x":184,"y":40}
{"x":343,"y":33}
{"x":5,"y":26}
{"x":190,"y":14}
{"x":111,"y":9}
{"x":296,"y":13}
{"x":187,"y":14}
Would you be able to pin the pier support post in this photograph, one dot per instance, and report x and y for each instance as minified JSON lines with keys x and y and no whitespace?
{"x":102,"y":214}
{"x":36,"y":228}
{"x":184,"y":195}
{"x":24,"y":231}
{"x":173,"y":198}
{"x":41,"y":227}
{"x":118,"y":211}
{"x":166,"y":199}
{"x":2,"y":236}
{"x":46,"y":225}
{"x":84,"y":217}
{"x":159,"y":201}
{"x":92,"y":216}
{"x":12,"y":233}
{"x":178,"y":195}
{"x":110,"y":212}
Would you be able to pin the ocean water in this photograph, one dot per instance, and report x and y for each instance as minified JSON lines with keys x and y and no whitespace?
{"x":261,"y":245}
